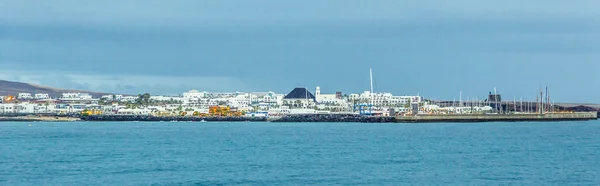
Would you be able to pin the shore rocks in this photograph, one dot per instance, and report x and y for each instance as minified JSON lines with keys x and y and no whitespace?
{"x":167,"y":118}
{"x":335,"y":118}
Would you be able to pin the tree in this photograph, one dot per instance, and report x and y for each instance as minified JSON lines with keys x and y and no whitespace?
{"x":146,"y":98}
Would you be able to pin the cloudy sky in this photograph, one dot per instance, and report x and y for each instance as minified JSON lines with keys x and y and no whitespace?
{"x":433,"y":48}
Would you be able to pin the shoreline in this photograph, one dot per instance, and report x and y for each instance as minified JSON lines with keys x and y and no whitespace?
{"x":318,"y":118}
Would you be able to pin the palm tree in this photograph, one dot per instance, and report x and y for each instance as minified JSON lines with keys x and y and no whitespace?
{"x":146,"y":98}
{"x":298,"y":103}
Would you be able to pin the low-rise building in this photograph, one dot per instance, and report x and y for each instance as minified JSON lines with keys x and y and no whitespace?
{"x":6,"y":108}
{"x":42,"y":96}
{"x":24,"y":96}
{"x":300,"y":97}
{"x":128,"y":99}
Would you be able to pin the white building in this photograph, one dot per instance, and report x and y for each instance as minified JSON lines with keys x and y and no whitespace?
{"x":133,"y":112}
{"x":24,"y":96}
{"x":107,"y":97}
{"x":299,"y":98}
{"x":128,"y":98}
{"x":166,"y":98}
{"x":42,"y":96}
{"x":7,"y":108}
{"x":193,"y":94}
{"x":76,"y":97}
{"x":384,"y":99}
{"x":328,"y":98}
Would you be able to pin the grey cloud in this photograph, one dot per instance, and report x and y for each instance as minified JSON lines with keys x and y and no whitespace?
{"x":192,"y":13}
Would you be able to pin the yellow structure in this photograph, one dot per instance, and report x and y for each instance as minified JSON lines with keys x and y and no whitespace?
{"x":222,"y":111}
{"x":91,"y":112}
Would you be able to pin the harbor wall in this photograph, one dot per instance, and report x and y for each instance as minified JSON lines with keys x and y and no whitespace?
{"x":167,"y":118}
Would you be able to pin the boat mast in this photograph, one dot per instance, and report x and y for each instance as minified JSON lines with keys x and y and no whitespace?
{"x":372,"y":93}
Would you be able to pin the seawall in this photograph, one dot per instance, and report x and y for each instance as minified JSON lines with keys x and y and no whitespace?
{"x":39,"y":118}
{"x":438,"y":118}
{"x":167,"y":118}
{"x":334,"y":118}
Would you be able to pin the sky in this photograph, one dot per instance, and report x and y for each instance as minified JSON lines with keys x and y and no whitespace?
{"x":435,"y":48}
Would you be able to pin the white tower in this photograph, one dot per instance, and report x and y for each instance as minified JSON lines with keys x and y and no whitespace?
{"x":318,"y":94}
{"x":318,"y":91}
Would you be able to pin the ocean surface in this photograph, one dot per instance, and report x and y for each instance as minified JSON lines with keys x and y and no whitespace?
{"x":184,"y":153}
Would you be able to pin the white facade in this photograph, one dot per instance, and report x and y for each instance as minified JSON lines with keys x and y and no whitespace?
{"x":193,"y":94}
{"x":128,"y":98}
{"x":42,"y":96}
{"x":7,"y":108}
{"x":25,"y":108}
{"x":24,"y":96}
{"x":383,"y":99}
{"x":166,"y":98}
{"x":108,"y":97}
{"x":299,"y":103}
{"x":133,"y":112}
{"x":76,"y":96}
{"x":327,"y":98}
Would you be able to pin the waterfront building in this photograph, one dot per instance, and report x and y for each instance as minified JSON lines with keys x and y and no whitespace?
{"x":328,"y":98}
{"x":384,"y":99}
{"x":300,"y":97}
{"x":133,"y":112}
{"x":6,"y":108}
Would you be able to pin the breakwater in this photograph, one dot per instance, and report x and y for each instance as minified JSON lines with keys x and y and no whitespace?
{"x":168,"y":118}
{"x":334,"y":118}
{"x":33,"y":118}
{"x":438,"y":118}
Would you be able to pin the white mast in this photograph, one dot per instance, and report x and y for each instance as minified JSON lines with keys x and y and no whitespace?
{"x":371,"y":79}
{"x":460,"y":99}
{"x":515,"y":103}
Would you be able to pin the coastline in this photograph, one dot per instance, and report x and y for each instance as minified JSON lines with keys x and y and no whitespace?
{"x":313,"y":118}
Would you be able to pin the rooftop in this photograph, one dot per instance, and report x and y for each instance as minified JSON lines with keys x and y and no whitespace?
{"x":299,"y":93}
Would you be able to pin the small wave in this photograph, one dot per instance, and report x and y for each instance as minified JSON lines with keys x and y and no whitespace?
{"x":500,"y":178}
{"x":387,"y":162}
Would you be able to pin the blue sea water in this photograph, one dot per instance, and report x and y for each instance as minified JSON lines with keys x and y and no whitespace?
{"x":139,"y":153}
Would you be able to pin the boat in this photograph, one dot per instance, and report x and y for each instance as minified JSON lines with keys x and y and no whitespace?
{"x":203,"y":120}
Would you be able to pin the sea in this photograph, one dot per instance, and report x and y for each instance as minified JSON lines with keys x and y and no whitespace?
{"x":246,"y":153}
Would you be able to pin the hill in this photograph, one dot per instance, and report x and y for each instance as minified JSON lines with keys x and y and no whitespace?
{"x":14,"y":88}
